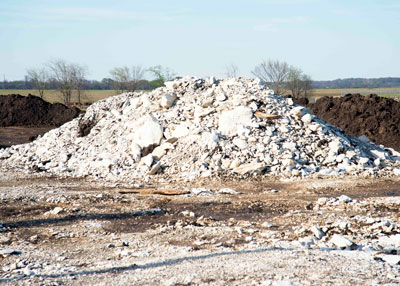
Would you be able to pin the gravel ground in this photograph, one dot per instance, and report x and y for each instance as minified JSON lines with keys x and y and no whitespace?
{"x":57,"y":231}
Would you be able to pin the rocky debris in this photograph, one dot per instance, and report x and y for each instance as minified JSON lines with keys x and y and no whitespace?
{"x":374,"y":117}
{"x":198,"y":237}
{"x":199,"y":128}
{"x":18,"y":110}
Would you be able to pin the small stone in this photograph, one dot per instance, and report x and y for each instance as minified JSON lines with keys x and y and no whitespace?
{"x":391,"y":259}
{"x":4,"y":240}
{"x":266,"y":224}
{"x":34,"y":238}
{"x":306,"y":118}
{"x":228,"y":191}
{"x":148,"y":160}
{"x":158,"y":152}
{"x":56,"y":210}
{"x":242,"y":144}
{"x":307,"y":241}
{"x":167,"y":100}
{"x":342,"y":242}
{"x":155,"y":168}
{"x":345,"y":199}
{"x":249,"y":168}
{"x":9,"y":251}
{"x":202,"y":192}
{"x":317,"y":232}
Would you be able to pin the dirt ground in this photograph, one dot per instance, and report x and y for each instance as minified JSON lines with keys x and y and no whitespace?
{"x":86,"y":232}
{"x":19,"y":135}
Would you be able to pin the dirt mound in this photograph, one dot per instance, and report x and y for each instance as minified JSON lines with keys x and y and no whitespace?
{"x":376,"y":117}
{"x":18,"y":110}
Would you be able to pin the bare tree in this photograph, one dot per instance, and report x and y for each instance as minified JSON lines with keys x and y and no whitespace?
{"x":273,"y":72}
{"x":298,"y":83}
{"x":79,"y":76}
{"x":125,"y":79}
{"x":63,"y":75}
{"x":161,"y":74}
{"x":121,"y":77}
{"x":137,"y":75}
{"x":232,"y":70}
{"x":39,"y":78}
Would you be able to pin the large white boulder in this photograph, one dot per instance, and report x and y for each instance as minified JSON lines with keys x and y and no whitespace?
{"x":147,"y":131}
{"x":229,"y":121}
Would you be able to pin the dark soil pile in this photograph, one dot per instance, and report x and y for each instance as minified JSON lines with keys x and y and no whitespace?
{"x":376,"y":117}
{"x":18,"y":110}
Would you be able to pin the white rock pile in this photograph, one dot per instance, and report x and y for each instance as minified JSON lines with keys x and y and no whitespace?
{"x":199,"y":128}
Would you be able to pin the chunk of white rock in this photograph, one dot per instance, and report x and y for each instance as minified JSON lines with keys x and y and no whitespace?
{"x":148,"y":160}
{"x":306,"y":119}
{"x":391,"y":259}
{"x":249,"y":168}
{"x":147,"y":131}
{"x":230,"y":120}
{"x":167,"y":100}
{"x":158,"y":152}
{"x":202,"y":192}
{"x":242,"y":144}
{"x":228,"y":191}
{"x":342,"y":242}
{"x":317,"y":232}
{"x":345,"y":199}
{"x":155,"y":168}
{"x":180,"y":131}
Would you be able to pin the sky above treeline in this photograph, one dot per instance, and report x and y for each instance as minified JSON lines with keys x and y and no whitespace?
{"x":326,"y":39}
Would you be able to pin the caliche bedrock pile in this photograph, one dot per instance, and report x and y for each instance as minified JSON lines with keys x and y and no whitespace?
{"x":200,"y":128}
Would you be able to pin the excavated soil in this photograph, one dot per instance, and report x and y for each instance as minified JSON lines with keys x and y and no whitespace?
{"x":376,"y":117}
{"x":18,"y":110}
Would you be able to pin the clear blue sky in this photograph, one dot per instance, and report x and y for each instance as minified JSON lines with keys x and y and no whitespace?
{"x":327,"y":39}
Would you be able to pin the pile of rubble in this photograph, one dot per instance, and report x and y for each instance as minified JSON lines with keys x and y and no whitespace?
{"x":199,"y":128}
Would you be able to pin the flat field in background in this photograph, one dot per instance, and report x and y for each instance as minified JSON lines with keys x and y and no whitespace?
{"x":55,"y":96}
{"x":386,"y":92}
{"x":95,"y":95}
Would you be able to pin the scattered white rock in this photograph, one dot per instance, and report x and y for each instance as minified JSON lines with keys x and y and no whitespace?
{"x":345,"y":199}
{"x":9,"y":251}
{"x":342,"y":242}
{"x":317,"y":232}
{"x":202,"y":192}
{"x":228,"y":191}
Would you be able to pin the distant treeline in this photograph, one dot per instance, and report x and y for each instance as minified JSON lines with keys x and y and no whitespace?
{"x":104,"y":84}
{"x":107,"y":84}
{"x":358,"y":83}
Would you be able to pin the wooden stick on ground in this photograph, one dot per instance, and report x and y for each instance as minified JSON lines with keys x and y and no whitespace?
{"x":166,"y":192}
{"x":266,"y":115}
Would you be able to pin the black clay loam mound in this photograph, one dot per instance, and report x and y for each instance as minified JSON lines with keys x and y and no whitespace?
{"x":18,"y":110}
{"x":376,"y":117}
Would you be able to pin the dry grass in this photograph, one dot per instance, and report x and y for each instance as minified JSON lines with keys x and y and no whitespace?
{"x":55,"y":96}
{"x":95,"y":95}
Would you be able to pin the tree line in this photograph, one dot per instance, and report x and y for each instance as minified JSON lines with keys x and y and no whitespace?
{"x":384,"y":82}
{"x":69,"y":78}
